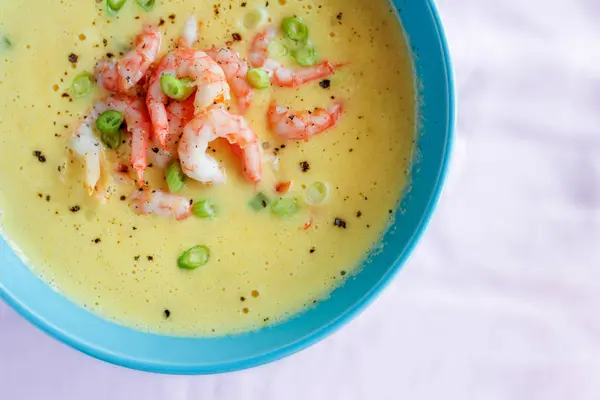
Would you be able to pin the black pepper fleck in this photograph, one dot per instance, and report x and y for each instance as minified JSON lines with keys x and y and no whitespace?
{"x":236,"y":36}
{"x":243,"y":4}
{"x":242,"y":298}
{"x":97,"y":240}
{"x":123,"y":198}
{"x":342,"y":273}
{"x":325,"y":83}
{"x":75,"y":209}
{"x":359,"y":214}
{"x":73,"y":58}
{"x":340,"y":223}
{"x":304,"y":166}
{"x":41,"y":157}
{"x":150,"y":258}
{"x":167,"y":313}
{"x":312,"y":250}
{"x":155,"y":149}
{"x":136,"y":258}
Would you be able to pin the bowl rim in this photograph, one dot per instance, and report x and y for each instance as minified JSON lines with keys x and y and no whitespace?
{"x":315,"y":336}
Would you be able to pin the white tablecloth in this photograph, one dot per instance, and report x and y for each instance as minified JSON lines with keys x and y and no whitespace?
{"x":501,"y":300}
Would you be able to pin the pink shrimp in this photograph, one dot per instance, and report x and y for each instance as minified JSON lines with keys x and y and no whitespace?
{"x":259,"y":49}
{"x":210,"y":80}
{"x":235,"y":70}
{"x":122,"y":75}
{"x":214,"y":123}
{"x":280,"y":75}
{"x":179,"y":114}
{"x":302,"y":125}
{"x":86,"y":145}
{"x":190,"y":33}
{"x":160,"y":203}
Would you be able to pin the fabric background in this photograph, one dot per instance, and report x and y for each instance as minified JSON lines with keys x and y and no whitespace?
{"x":500,"y":301}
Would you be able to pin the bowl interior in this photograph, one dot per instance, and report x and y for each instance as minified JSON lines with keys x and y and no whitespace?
{"x":110,"y":342}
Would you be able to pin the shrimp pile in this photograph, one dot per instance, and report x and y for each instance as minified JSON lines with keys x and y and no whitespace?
{"x":161,"y":130}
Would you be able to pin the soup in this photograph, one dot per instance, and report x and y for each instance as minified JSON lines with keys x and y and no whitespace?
{"x":275,"y":219}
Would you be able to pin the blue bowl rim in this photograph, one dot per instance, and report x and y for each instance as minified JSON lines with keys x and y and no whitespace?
{"x":315,"y":336}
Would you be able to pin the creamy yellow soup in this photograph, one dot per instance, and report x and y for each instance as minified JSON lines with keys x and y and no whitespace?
{"x":262,"y":268}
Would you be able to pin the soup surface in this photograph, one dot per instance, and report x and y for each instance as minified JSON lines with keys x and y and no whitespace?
{"x":262,"y":267}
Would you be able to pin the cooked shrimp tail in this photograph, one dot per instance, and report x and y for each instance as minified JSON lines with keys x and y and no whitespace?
{"x":163,"y":204}
{"x":90,"y":150}
{"x":190,"y":32}
{"x":302,"y":125}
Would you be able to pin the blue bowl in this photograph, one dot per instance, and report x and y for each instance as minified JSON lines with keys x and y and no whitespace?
{"x":107,"y":341}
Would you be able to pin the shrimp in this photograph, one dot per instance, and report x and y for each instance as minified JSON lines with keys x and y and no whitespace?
{"x":122,"y":75}
{"x":86,"y":146}
{"x":235,"y":70}
{"x":190,"y":33}
{"x":85,"y":143}
{"x":302,"y":125}
{"x":210,"y":79}
{"x":258,"y":55}
{"x":280,"y":75}
{"x":161,"y":203}
{"x":179,"y":114}
{"x":214,"y":123}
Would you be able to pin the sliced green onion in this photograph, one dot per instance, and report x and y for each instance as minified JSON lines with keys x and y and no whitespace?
{"x":82,"y":85}
{"x":259,"y":202}
{"x":147,"y":5}
{"x":254,"y":18}
{"x":194,"y":257}
{"x":317,"y":193}
{"x":175,"y":177}
{"x":113,"y":6}
{"x":176,"y":89}
{"x":109,"y":121}
{"x":306,"y":56}
{"x":277,"y":49}
{"x":258,"y":78}
{"x":291,"y":45}
{"x":295,"y":29}
{"x":112,"y":140}
{"x":204,"y":209}
{"x":285,"y":207}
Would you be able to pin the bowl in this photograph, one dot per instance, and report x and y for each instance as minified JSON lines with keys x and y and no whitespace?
{"x":79,"y":328}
